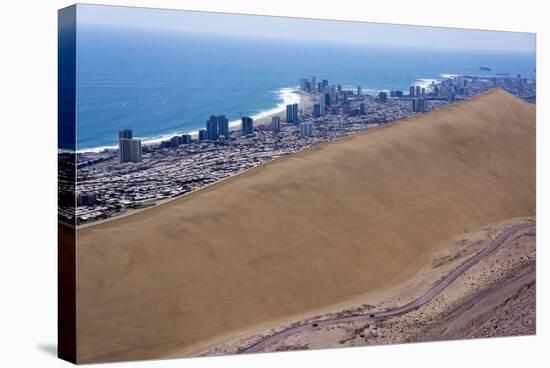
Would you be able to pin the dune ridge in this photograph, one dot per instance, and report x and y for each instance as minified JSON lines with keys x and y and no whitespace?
{"x":306,"y":231}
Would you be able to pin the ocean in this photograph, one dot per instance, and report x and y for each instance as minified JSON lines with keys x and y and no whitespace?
{"x":160,"y":84}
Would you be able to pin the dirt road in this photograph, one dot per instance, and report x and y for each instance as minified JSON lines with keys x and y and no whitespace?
{"x":426,"y":297}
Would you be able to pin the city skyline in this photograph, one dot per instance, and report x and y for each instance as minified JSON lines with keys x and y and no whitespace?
{"x":326,"y":111}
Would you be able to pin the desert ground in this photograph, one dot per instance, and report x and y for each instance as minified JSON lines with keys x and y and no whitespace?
{"x":494,"y":298}
{"x":342,"y":224}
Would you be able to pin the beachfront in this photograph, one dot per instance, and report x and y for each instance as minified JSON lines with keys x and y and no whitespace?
{"x":106,"y":188}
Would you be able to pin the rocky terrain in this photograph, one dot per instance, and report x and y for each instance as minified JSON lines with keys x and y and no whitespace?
{"x":496,"y":297}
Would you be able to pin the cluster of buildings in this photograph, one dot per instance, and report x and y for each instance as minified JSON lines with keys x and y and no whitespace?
{"x":292,"y":115}
{"x":176,"y":140}
{"x":184,"y":163}
{"x":216,"y":127}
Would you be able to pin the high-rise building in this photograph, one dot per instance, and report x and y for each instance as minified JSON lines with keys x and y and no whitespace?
{"x":411,"y":91}
{"x":325,"y":83}
{"x":419,"y":105}
{"x":423,"y":92}
{"x":276,"y":124}
{"x":223,"y":126}
{"x":212,"y":128}
{"x":305,"y":84}
{"x":175,"y":141}
{"x":417,"y":92}
{"x":247,"y":125}
{"x":129,"y":149}
{"x":306,"y":129}
{"x":217,"y":126}
{"x":327,"y":99}
{"x":452,"y":96}
{"x":292,"y":116}
{"x":313,"y":83}
{"x":398,"y":93}
{"x":332,"y":91}
{"x":125,"y":133}
{"x":136,"y":150}
{"x":339,"y":88}
{"x":203,"y":135}
{"x":382,"y":97}
{"x":359,"y":91}
{"x":186,"y":138}
{"x":362,"y":108}
{"x":289,"y":114}
{"x":316,"y":110}
{"x":321,"y":99}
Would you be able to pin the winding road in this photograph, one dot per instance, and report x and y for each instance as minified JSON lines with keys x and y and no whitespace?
{"x":429,"y":295}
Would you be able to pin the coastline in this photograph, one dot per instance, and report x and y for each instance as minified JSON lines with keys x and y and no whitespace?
{"x":307,"y":101}
{"x":287,"y":95}
{"x":197,"y":165}
{"x":262,"y":121}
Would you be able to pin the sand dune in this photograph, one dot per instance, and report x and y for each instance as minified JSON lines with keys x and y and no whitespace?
{"x":303,"y":232}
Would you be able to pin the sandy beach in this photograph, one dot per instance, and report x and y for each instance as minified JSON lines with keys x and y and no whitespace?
{"x":305,"y":105}
{"x":305,"y":102}
{"x":352,"y":218}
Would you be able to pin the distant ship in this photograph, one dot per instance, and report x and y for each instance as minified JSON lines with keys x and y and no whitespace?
{"x":485,"y":68}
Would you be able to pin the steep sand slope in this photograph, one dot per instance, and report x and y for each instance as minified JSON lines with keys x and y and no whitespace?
{"x":303,"y":232}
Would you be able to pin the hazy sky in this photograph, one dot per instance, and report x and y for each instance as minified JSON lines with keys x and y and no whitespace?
{"x":305,"y":29}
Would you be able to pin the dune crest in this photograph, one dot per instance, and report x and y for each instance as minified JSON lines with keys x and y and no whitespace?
{"x":306,"y":231}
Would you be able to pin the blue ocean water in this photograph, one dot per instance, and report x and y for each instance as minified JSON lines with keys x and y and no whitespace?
{"x":160,"y":83}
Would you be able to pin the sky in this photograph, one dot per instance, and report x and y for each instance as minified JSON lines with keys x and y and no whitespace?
{"x":376,"y":34}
